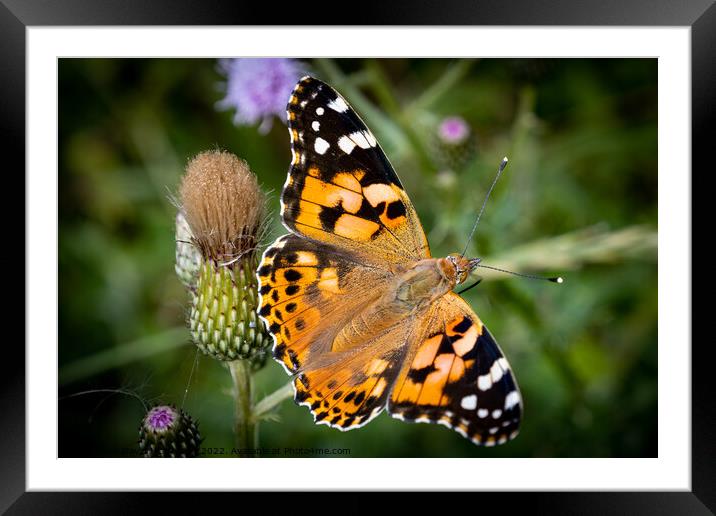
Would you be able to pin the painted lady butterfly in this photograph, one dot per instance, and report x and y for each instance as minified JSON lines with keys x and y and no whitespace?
{"x":361,"y":315}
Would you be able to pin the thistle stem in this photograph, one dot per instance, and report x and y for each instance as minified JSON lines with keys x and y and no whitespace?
{"x":244,"y":424}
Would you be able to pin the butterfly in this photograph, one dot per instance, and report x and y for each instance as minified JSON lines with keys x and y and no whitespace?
{"x":362,"y":316}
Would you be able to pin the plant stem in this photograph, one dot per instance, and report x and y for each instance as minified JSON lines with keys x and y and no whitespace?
{"x":244,"y":424}
{"x":267,"y":404}
{"x":573,"y":250}
{"x":452,"y":75}
{"x":121,"y":355}
{"x":382,"y":89}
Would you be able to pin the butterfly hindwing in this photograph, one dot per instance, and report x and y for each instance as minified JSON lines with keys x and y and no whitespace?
{"x":459,"y":378}
{"x":307,"y":292}
{"x":341,"y":189}
{"x":353,"y":389}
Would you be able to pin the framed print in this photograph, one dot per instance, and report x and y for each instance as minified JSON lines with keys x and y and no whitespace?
{"x":257,"y":251}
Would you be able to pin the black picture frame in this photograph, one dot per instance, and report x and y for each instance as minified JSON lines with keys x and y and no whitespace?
{"x":17,"y":15}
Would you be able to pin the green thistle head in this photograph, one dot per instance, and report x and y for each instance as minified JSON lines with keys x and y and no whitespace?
{"x":225,"y":212}
{"x":169,"y":432}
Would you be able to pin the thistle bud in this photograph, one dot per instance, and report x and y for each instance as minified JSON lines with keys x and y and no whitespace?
{"x":169,"y":432}
{"x":226,"y":215}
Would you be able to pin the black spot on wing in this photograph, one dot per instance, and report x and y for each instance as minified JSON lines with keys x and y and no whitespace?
{"x":395,"y":209}
{"x":445,"y":346}
{"x":463,"y":325}
{"x":292,"y":275}
{"x":419,"y":375}
{"x":328,"y":218}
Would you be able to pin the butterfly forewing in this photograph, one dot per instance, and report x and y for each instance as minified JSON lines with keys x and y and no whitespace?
{"x":341,"y":189}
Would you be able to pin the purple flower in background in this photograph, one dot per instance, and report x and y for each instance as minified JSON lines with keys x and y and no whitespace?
{"x":160,"y":418}
{"x":258,"y":89}
{"x":453,"y":130}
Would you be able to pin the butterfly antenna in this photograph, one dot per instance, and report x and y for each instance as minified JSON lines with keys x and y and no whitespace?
{"x":555,"y":279}
{"x":471,"y":286}
{"x":484,"y":203}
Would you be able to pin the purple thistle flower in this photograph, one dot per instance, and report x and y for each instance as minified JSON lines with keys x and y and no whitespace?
{"x":453,"y":130}
{"x":160,"y":418}
{"x":258,"y":89}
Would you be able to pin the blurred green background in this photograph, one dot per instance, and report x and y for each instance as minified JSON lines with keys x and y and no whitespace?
{"x":579,"y":199}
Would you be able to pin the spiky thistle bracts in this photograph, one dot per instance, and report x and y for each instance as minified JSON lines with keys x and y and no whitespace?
{"x":188,"y":257}
{"x":168,"y":432}
{"x":223,"y":319}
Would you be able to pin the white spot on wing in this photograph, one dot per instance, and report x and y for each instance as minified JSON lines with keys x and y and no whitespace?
{"x":512,"y":399}
{"x":371,"y":139}
{"x":321,"y":145}
{"x":484,"y":382}
{"x":346,"y":144}
{"x":319,"y":111}
{"x":482,"y":413}
{"x":338,"y":105}
{"x":496,"y":371}
{"x":363,"y":139}
{"x":316,"y":125}
{"x":469,"y":402}
{"x":496,"y":413}
{"x":445,"y":423}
